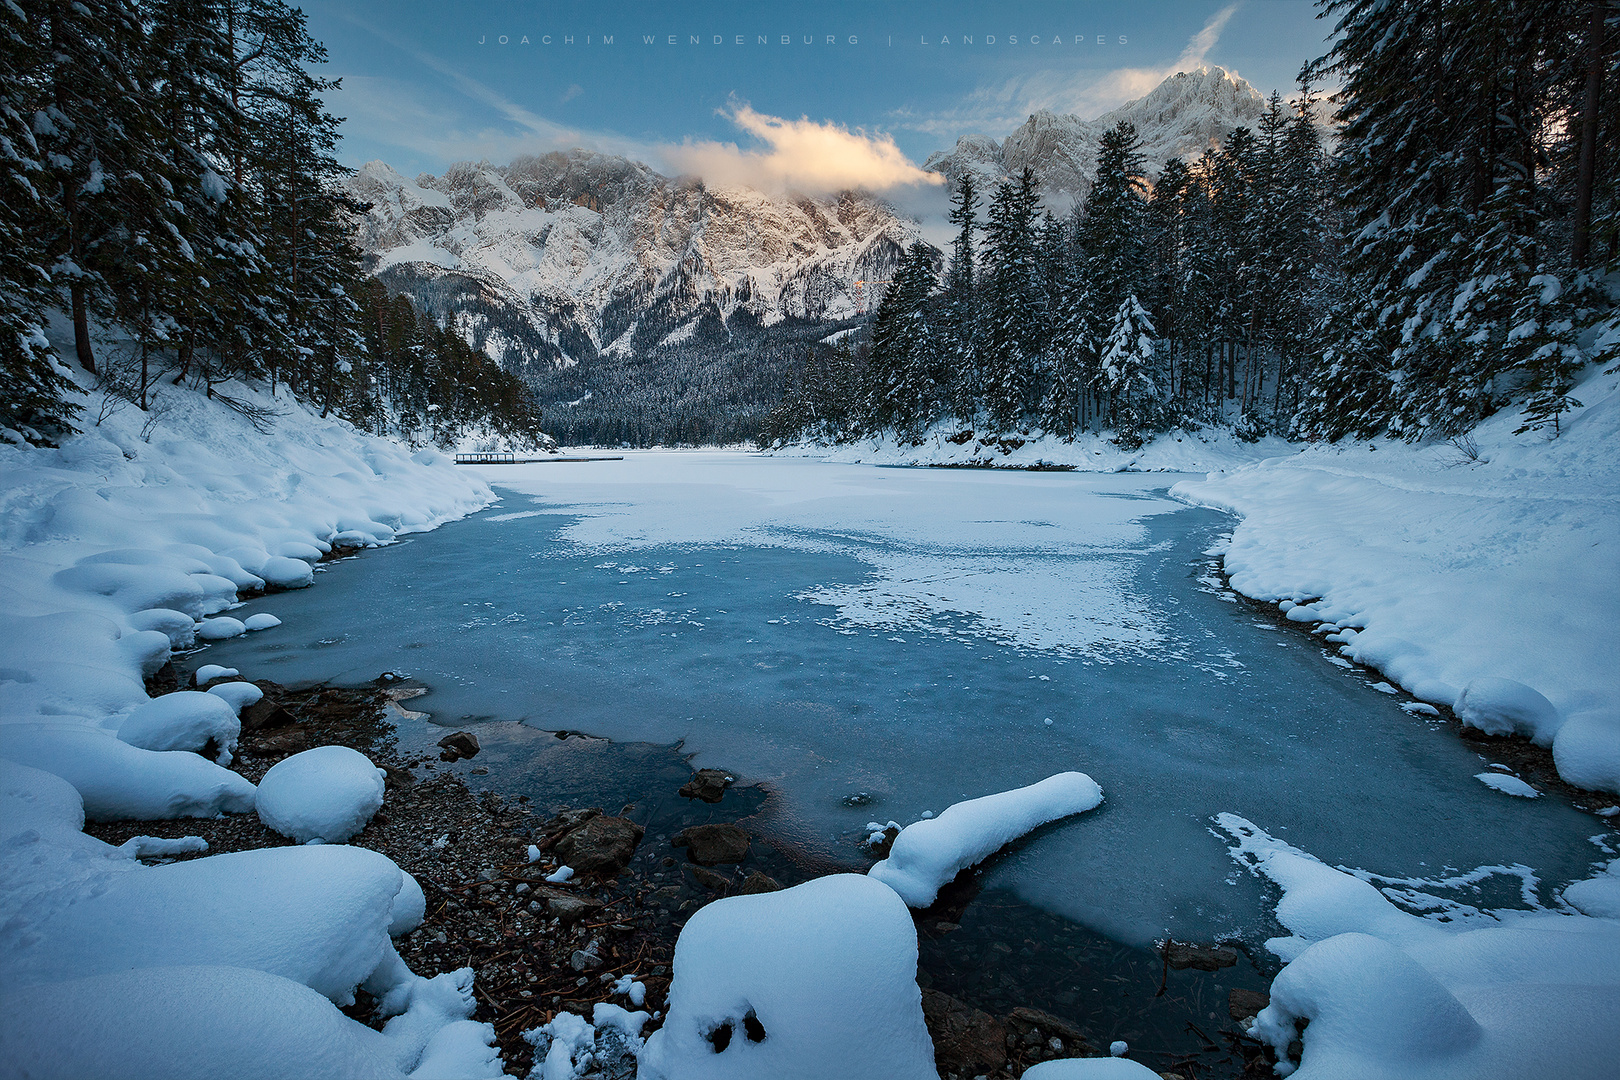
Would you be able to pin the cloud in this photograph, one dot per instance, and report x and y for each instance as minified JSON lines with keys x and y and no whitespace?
{"x":573,"y":91}
{"x":800,"y":155}
{"x":1087,"y":93}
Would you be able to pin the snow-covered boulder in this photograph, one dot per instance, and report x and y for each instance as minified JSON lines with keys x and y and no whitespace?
{"x":180,"y":628}
{"x":184,"y":720}
{"x":117,"y":780}
{"x":1505,"y":707}
{"x":328,"y":794}
{"x":262,"y":621}
{"x":238,"y":695}
{"x":220,"y":628}
{"x":928,"y":854}
{"x":816,"y":981}
{"x":1587,"y":750}
{"x":281,"y":572}
{"x":1108,"y":1068}
{"x":209,"y":672}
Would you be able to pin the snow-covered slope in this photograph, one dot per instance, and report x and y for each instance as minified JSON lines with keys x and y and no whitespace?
{"x":565,"y":256}
{"x":1184,"y":116}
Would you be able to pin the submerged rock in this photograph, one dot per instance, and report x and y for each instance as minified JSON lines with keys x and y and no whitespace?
{"x":713,"y":844}
{"x":709,"y":785}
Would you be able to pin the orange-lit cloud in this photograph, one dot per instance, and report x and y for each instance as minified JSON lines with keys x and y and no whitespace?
{"x":801,"y":155}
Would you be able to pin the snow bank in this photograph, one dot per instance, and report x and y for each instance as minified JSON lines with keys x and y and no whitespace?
{"x":202,"y":1023}
{"x":117,"y":780}
{"x":1391,"y":995}
{"x":327,"y":794}
{"x":1488,"y":582}
{"x":126,"y":542}
{"x":815,"y":981}
{"x":1209,"y":450}
{"x":928,"y":854}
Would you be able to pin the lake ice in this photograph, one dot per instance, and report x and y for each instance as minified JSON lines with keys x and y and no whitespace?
{"x":923,"y":637}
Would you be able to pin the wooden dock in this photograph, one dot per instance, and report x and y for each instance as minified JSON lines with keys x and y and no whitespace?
{"x":497,"y":457}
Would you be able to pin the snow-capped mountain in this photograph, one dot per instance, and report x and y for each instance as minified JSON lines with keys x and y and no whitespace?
{"x":556,"y":259}
{"x":1184,"y":116}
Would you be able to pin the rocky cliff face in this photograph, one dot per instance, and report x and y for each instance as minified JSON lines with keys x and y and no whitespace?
{"x":571,"y":255}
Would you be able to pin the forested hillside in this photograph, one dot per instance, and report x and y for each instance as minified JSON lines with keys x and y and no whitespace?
{"x":1456,"y":252}
{"x":168,"y":186}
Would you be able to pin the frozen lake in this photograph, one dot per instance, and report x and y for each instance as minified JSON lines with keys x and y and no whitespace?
{"x":924,"y":636}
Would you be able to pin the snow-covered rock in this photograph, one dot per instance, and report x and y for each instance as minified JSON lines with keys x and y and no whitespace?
{"x":928,"y":854}
{"x":327,"y":794}
{"x":238,"y":695}
{"x":261,"y":621}
{"x":220,"y":628}
{"x":184,"y":720}
{"x":409,"y":908}
{"x":1108,"y":1068}
{"x":1499,"y":706}
{"x":819,"y":980}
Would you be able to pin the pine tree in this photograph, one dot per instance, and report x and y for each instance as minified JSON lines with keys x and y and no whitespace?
{"x":899,"y":390}
{"x":958,"y":348}
{"x":1127,"y":373}
{"x":1012,"y":302}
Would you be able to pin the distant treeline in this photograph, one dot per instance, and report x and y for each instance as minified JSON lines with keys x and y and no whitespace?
{"x":167,"y":175}
{"x":1455,"y":253}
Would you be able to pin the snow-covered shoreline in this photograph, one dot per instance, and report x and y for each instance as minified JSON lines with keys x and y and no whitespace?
{"x":1441,"y":565}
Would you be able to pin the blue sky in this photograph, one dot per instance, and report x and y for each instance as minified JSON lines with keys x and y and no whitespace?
{"x":428,"y":83}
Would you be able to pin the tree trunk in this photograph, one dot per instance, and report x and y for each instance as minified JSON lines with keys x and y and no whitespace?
{"x":1580,"y":244}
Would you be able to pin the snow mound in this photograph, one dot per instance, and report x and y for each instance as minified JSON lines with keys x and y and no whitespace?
{"x":1587,"y":749}
{"x":328,"y":794}
{"x":1388,"y":994}
{"x":209,"y":672}
{"x":220,"y":628}
{"x":1504,"y":707}
{"x":117,"y":780}
{"x":205,"y":1022}
{"x":1507,"y":785}
{"x":1108,"y":1068}
{"x":180,"y":628}
{"x":238,"y":695}
{"x":317,"y":915}
{"x":185,"y":720}
{"x":928,"y":854}
{"x":284,"y":573}
{"x":261,"y":621}
{"x":819,"y":980}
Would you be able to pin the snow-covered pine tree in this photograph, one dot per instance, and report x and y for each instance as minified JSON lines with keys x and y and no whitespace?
{"x":1128,"y":372}
{"x":1113,"y":231}
{"x":1071,"y":348}
{"x":35,"y":401}
{"x":898,"y":390}
{"x":1012,"y":306}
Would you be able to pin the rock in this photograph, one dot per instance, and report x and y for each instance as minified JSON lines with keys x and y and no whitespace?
{"x":1045,"y":1026}
{"x":461,"y":744}
{"x":264,"y":713}
{"x":1242,"y":1004}
{"x":759,"y":883}
{"x":564,"y":905}
{"x":582,"y":960}
{"x":1181,"y":954}
{"x":602,"y":845}
{"x":712,"y":844}
{"x":709,"y":879}
{"x":966,"y":1040}
{"x":708,"y":785}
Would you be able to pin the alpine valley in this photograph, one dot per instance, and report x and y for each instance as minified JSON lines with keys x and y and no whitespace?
{"x":654,"y":309}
